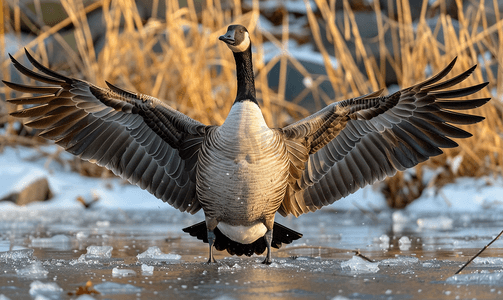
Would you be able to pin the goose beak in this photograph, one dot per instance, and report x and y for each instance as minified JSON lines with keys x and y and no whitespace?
{"x":228,"y":38}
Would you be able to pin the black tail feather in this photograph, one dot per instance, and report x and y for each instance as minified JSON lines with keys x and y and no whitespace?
{"x":280,"y":235}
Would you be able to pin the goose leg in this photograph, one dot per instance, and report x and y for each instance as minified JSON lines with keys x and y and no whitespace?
{"x":268,"y":241}
{"x":211,"y":240}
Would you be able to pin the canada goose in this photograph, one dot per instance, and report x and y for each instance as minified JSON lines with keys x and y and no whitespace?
{"x":242,"y":172}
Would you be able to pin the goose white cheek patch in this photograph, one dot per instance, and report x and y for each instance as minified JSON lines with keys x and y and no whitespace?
{"x":243,"y":46}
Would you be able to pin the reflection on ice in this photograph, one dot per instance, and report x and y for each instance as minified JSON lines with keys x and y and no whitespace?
{"x":34,"y":271}
{"x":43,"y":290}
{"x":359,"y":265}
{"x":154,"y":253}
{"x":116,"y":288}
{"x":438,"y":223}
{"x":59,"y":242}
{"x":477,"y":278}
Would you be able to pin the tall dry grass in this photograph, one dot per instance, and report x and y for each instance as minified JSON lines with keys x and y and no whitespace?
{"x":195,"y":73}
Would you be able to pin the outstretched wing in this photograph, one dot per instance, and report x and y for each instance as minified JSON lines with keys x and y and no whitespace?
{"x":138,"y":137}
{"x":356,"y":142}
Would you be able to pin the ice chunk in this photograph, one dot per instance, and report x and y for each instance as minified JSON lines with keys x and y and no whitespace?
{"x":3,"y":297}
{"x":35,"y":271}
{"x":48,"y":290}
{"x":404,"y":243}
{"x":488,"y":260}
{"x":359,"y":265}
{"x":99,"y":252}
{"x":147,"y":270}
{"x":116,"y":288}
{"x":116,"y":272}
{"x":439,"y":223}
{"x":400,"y":261}
{"x":60,"y":242}
{"x":16,"y":255}
{"x":154,"y":253}
{"x":477,"y":278}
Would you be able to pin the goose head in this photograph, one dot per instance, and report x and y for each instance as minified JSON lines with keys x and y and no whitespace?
{"x":237,"y":38}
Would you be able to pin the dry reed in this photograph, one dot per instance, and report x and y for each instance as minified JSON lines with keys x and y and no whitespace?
{"x":195,"y":73}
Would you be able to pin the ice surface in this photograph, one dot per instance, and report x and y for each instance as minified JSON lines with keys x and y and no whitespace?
{"x":59,"y":242}
{"x":99,"y":252}
{"x":359,"y":265}
{"x":116,"y":272}
{"x":477,"y":278}
{"x":154,"y":253}
{"x":488,"y":260}
{"x":116,"y":288}
{"x":48,"y":290}
{"x":438,"y":223}
{"x":3,"y":297}
{"x":16,"y":255}
{"x":147,"y":270}
{"x":34,"y":271}
{"x":400,"y":261}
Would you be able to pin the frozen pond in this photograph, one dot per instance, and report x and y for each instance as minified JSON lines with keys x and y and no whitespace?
{"x":144,"y":254}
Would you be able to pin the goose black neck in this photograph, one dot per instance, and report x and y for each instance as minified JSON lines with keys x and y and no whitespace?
{"x":245,"y":76}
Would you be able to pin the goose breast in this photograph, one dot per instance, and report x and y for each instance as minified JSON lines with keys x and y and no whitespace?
{"x":242,"y":168}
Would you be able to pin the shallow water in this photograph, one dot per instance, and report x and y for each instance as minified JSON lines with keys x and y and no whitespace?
{"x":45,"y":254}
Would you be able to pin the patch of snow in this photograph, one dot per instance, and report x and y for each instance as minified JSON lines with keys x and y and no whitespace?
{"x":34,"y":271}
{"x":116,"y":272}
{"x":147,"y":270}
{"x":116,"y":288}
{"x":360,"y":265}
{"x":476,"y":278}
{"x":303,"y":52}
{"x":66,"y":185}
{"x":48,"y":290}
{"x":465,"y":194}
{"x":292,"y":6}
{"x":154,"y":253}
